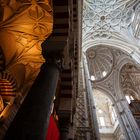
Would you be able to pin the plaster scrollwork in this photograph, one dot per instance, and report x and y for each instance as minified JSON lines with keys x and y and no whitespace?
{"x":100,"y":62}
{"x":30,"y":22}
{"x":107,"y":84}
{"x":106,"y":18}
{"x":126,"y":85}
{"x":118,"y":53}
{"x":135,"y":27}
{"x":130,"y":80}
{"x":24,"y":25}
{"x":116,"y":90}
{"x":110,"y":81}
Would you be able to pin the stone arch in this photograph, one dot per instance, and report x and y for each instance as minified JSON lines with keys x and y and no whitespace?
{"x":9,"y":78}
{"x":129,"y":80}
{"x":105,"y":91}
{"x":120,"y":65}
{"x":133,"y":93}
{"x":125,"y":112}
{"x":130,"y":49}
{"x":8,"y":89}
{"x":125,"y":116}
{"x":114,"y":102}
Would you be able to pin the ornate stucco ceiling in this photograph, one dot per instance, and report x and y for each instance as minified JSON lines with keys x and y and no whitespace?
{"x":24,"y":25}
{"x":100,"y":62}
{"x":130,"y":80}
{"x":107,"y":19}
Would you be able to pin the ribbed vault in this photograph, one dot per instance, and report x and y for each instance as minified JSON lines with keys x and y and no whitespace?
{"x":100,"y":62}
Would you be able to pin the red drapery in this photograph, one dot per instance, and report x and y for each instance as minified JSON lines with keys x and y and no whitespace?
{"x":52,"y":132}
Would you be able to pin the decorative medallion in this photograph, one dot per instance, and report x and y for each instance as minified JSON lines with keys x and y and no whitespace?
{"x":91,"y":54}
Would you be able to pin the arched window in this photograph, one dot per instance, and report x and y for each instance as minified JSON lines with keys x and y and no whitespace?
{"x":102,"y":121}
{"x":129,"y":98}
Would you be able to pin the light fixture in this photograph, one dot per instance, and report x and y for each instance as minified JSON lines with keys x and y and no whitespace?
{"x":92,"y":78}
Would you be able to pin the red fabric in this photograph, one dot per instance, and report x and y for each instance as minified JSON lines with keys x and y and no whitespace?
{"x":52,"y":132}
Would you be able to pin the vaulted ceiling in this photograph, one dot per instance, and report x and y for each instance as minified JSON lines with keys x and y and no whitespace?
{"x":108,"y":23}
{"x":107,"y":18}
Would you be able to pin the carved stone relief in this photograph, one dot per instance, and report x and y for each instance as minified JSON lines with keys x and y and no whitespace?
{"x":24,"y":25}
{"x":100,"y":62}
{"x":104,"y":17}
{"x":110,"y":80}
{"x":118,"y":83}
{"x":130,"y":80}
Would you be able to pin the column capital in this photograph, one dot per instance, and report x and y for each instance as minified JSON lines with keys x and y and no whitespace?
{"x":52,"y":52}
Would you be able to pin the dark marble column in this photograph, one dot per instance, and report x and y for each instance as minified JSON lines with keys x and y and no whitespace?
{"x":31,"y":121}
{"x":64,"y":127}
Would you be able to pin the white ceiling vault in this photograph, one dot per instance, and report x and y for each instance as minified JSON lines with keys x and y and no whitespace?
{"x":100,"y":62}
{"x":109,"y":45}
{"x":108,"y":42}
{"x":109,"y":23}
{"x":105,"y":19}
